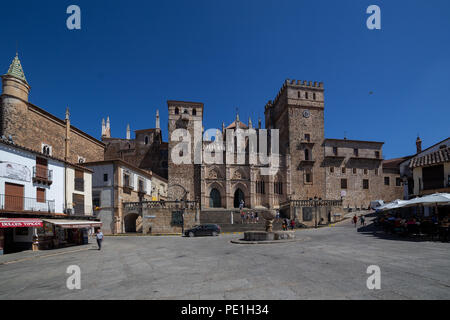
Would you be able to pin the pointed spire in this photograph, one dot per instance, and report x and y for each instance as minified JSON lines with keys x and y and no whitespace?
{"x":223,"y":127}
{"x":67,"y":114}
{"x":259,"y":122}
{"x":250,"y":122}
{"x":107,"y":123}
{"x":103,"y":127}
{"x":157,"y":120}
{"x":128,"y":132}
{"x":16,"y":70}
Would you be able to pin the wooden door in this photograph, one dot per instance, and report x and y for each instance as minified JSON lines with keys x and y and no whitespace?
{"x":41,"y":168}
{"x":14,"y":196}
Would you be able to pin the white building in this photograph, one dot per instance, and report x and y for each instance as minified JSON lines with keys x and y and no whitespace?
{"x":115,"y":182}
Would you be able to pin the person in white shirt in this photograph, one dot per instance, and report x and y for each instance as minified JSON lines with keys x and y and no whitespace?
{"x":99,"y":237}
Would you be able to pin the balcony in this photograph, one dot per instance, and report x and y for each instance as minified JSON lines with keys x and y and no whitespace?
{"x":79,"y":184}
{"x":79,"y":210}
{"x":42,"y":175}
{"x":434,"y":185}
{"x":21,"y":204}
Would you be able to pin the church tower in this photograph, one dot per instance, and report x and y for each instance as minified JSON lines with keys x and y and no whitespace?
{"x":298,"y":113}
{"x":13,"y":101}
{"x":184,"y":176}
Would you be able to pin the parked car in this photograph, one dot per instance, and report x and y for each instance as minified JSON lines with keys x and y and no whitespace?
{"x":203,"y":230}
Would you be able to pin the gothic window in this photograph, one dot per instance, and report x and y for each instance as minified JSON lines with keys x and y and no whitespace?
{"x":355,"y":152}
{"x":377,"y":154}
{"x":343,"y":183}
{"x":146,"y":140}
{"x":298,"y":94}
{"x":335,"y":151}
{"x":343,"y":170}
{"x":314,"y":96}
{"x":354,"y":170}
{"x":308,"y":176}
{"x":306,"y":95}
{"x":386,"y":181}
{"x":46,"y":149}
{"x":331,"y":169}
{"x":194,"y":112}
{"x":177,"y":111}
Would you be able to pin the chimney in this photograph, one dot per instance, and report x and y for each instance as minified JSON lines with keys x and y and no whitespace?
{"x":419,"y":145}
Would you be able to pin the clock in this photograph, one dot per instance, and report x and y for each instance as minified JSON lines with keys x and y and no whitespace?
{"x":306,"y":113}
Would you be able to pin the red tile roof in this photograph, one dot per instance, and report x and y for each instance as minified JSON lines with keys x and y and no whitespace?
{"x":439,"y":156}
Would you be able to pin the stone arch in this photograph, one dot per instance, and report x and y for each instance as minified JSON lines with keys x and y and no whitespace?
{"x":130,"y":222}
{"x":240,"y":191}
{"x":222,"y":193}
{"x":215,"y":198}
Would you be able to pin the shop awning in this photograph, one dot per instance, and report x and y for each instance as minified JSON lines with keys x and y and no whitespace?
{"x":73,"y":224}
{"x":20,"y":222}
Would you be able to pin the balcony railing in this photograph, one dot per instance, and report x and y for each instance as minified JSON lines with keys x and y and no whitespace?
{"x":16,"y":203}
{"x":79,"y":210}
{"x":42,"y":175}
{"x":79,"y":184}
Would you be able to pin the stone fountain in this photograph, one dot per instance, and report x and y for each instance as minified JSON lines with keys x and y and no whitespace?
{"x":269,"y":234}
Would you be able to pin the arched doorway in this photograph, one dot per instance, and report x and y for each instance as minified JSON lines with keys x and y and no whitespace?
{"x":130,"y":222}
{"x":238,"y":196}
{"x":215,"y":199}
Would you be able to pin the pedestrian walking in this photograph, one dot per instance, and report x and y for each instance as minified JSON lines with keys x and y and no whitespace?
{"x":256,"y":217}
{"x":292,"y":224}
{"x":241,"y":204}
{"x":277,"y":215}
{"x":99,"y":237}
{"x":362,"y":220}
{"x":355,"y":219}
{"x":242,"y":217}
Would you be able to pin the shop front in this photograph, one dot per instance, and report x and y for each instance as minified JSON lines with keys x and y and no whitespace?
{"x":58,"y":233}
{"x":18,"y":234}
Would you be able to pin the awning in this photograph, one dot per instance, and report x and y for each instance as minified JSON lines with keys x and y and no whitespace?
{"x":20,"y":222}
{"x":73,"y":224}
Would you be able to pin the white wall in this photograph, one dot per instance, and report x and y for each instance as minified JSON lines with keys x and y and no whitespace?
{"x":87,"y":193}
{"x":28,"y":159}
{"x":135,"y":176}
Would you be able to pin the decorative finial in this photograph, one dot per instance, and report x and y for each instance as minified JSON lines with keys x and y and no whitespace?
{"x":67,"y":113}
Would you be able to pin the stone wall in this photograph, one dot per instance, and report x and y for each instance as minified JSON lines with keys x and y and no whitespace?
{"x":30,"y":126}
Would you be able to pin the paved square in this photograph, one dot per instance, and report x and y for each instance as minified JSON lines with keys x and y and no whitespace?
{"x":330,"y":264}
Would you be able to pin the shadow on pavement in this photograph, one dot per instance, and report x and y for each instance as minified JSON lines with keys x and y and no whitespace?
{"x":377,"y":231}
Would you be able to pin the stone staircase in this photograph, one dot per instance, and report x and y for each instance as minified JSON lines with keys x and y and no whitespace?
{"x":222,"y":217}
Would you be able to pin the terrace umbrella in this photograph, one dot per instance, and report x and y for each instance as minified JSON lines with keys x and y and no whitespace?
{"x":442,"y":199}
{"x":392,"y":205}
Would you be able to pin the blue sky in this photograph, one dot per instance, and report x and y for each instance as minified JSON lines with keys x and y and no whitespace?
{"x":130,"y":57}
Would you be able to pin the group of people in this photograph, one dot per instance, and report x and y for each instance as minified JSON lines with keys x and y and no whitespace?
{"x":430,"y":225}
{"x":288,"y":224}
{"x":362,"y":220}
{"x":249,"y":217}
